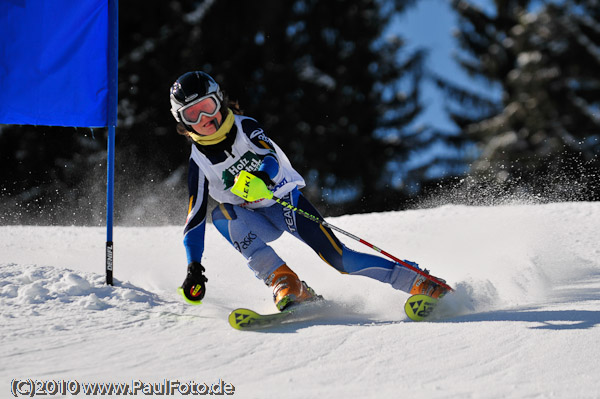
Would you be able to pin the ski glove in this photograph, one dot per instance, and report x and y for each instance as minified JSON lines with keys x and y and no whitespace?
{"x":264,"y":176}
{"x":194,"y":287}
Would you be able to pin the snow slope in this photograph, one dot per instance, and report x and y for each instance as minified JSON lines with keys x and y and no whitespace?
{"x":523,"y":323}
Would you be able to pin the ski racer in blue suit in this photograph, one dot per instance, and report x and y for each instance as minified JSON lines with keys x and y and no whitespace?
{"x":225,"y":143}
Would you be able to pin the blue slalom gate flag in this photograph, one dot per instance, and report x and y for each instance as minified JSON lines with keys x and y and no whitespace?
{"x":54,"y":58}
{"x":58,"y":67}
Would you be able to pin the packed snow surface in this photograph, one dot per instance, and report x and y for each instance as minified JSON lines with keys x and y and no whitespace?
{"x":522,"y":323}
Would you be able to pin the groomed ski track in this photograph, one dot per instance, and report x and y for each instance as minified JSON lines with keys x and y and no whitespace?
{"x":524,"y":321}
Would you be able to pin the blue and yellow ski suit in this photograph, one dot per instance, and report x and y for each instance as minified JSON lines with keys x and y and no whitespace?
{"x":250,"y":227}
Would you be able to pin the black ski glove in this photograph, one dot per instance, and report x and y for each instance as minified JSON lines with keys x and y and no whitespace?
{"x":194,"y":287}
{"x":264,"y":176}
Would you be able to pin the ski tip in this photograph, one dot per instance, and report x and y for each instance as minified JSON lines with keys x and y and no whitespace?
{"x":241,"y":318}
{"x":418,"y":307}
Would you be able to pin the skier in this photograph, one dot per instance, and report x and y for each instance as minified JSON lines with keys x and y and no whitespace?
{"x":223,"y":143}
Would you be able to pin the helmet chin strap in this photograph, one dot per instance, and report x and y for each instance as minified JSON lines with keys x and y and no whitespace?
{"x":218,"y":136}
{"x":214,"y":122}
{"x":224,"y":112}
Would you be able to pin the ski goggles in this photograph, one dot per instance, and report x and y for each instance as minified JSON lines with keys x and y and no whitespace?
{"x":193,"y":112}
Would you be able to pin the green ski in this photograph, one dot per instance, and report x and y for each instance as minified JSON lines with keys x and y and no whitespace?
{"x":246,"y":319}
{"x":418,"y":307}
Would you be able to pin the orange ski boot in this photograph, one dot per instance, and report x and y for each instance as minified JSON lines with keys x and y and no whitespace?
{"x":423,"y":285}
{"x":288,"y":289}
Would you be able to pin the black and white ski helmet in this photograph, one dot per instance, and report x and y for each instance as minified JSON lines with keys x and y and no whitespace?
{"x":192,"y":86}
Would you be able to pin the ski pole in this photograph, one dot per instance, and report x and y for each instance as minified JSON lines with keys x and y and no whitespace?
{"x":251,"y":188}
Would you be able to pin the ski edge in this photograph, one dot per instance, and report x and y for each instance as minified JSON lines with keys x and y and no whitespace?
{"x":248,"y":319}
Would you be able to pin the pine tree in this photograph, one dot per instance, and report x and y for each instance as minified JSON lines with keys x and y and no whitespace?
{"x":327,"y":87}
{"x":324,"y":82}
{"x":545,"y":58}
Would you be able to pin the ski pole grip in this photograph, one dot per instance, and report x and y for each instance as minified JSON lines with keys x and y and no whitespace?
{"x":250,"y":188}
